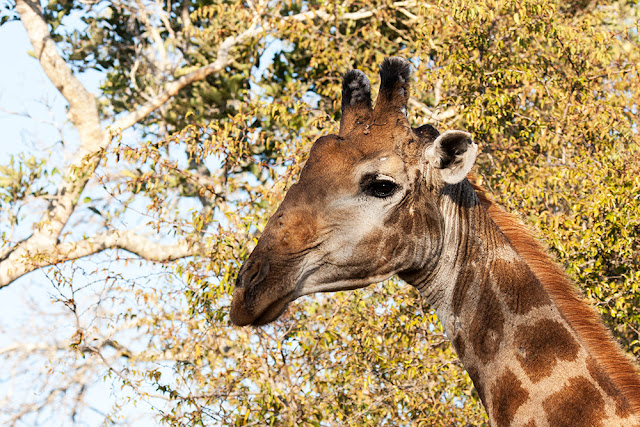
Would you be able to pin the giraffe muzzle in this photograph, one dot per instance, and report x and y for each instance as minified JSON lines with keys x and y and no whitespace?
{"x":259,"y":297}
{"x":251,"y":274}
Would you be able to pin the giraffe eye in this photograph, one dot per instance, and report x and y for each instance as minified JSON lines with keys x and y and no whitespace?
{"x":380,"y":188}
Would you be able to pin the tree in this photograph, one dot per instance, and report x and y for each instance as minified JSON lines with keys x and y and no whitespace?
{"x":204,"y":115}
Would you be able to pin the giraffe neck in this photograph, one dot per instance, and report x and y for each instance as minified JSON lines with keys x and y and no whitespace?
{"x":530,"y":365}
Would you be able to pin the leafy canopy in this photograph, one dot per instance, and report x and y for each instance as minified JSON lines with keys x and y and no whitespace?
{"x":549,"y":89}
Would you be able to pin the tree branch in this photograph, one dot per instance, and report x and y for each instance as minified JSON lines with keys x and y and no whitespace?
{"x":29,"y":255}
{"x":223,"y":59}
{"x":324,"y":15}
{"x":42,"y":247}
{"x":436,"y":116}
{"x":83,"y":113}
{"x":83,"y":110}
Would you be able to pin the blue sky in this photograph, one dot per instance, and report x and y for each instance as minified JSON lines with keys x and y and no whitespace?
{"x":22,"y":83}
{"x":25,"y":89}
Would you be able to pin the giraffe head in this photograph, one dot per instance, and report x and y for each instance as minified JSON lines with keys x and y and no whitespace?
{"x":365,"y":207}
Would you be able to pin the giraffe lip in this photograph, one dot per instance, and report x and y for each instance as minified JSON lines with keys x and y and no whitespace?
{"x":277,"y":307}
{"x":241,"y":317}
{"x":273,"y":310}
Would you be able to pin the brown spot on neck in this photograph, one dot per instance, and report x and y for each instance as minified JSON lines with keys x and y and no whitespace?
{"x":577,"y":404}
{"x":541,"y":345}
{"x":507,"y":396}
{"x":487,"y":327}
{"x":519,"y":288}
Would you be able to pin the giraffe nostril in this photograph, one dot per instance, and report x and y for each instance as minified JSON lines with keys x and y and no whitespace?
{"x":255,"y":273}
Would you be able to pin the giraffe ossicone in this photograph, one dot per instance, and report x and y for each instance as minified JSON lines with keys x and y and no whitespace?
{"x":382,"y":198}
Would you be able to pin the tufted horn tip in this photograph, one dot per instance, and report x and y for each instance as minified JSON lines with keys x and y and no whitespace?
{"x":356,"y":100}
{"x":356,"y":89}
{"x":394,"y":70}
{"x":394,"y":87}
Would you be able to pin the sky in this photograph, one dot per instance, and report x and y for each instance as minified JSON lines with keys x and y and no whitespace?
{"x":25,"y":91}
{"x":32,"y":115}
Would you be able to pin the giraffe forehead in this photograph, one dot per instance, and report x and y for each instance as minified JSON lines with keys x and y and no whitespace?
{"x":340,"y":162}
{"x":384,"y":163}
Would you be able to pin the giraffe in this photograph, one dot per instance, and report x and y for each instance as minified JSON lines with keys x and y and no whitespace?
{"x":382,"y":198}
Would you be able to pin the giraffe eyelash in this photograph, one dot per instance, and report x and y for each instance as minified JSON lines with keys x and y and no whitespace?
{"x":378,"y":186}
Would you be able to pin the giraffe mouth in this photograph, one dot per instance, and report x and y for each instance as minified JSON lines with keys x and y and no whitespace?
{"x":273,"y":310}
{"x":279,"y":306}
{"x":307,"y":282}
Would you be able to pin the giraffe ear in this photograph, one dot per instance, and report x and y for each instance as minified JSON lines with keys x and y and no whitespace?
{"x":356,"y":100}
{"x":454,"y":154}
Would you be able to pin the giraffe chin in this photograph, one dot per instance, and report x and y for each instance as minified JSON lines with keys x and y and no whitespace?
{"x":276,"y":308}
{"x":272,"y":312}
{"x":240,"y":316}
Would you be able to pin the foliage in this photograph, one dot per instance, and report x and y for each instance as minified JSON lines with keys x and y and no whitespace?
{"x":553,"y":95}
{"x":549,"y":89}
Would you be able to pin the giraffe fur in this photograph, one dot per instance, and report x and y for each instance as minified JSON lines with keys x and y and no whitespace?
{"x":382,"y":198}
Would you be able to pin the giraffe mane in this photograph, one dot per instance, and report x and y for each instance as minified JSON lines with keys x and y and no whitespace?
{"x":583,"y":318}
